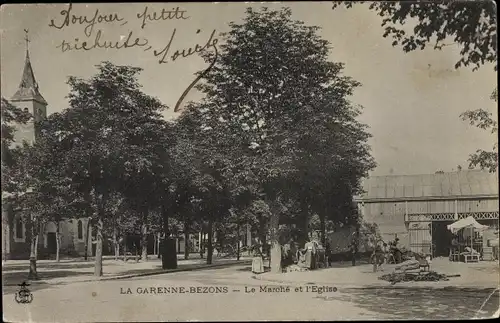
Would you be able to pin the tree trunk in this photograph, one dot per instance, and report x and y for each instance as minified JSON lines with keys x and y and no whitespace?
{"x":186,"y":240}
{"x":356,"y":245}
{"x":238,"y":239}
{"x":100,"y":204}
{"x":155,"y":243}
{"x":202,"y":237}
{"x":125,"y":249}
{"x":158,"y":242}
{"x":98,"y":249}
{"x":88,"y":212}
{"x":262,"y":233}
{"x":58,"y":242}
{"x":210,"y":249}
{"x":304,"y":218}
{"x":33,"y":274}
{"x":86,"y":242}
{"x":218,"y":241}
{"x":323,"y":237}
{"x":144,"y":235}
{"x":275,"y":262}
{"x":116,"y":243}
{"x":36,"y":245}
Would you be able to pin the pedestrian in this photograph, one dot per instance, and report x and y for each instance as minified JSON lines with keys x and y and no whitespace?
{"x":257,"y":260}
{"x":378,"y":258}
{"x":328,"y":260}
{"x":310,"y":254}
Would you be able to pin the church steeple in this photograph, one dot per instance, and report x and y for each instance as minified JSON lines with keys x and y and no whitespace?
{"x":28,"y":88}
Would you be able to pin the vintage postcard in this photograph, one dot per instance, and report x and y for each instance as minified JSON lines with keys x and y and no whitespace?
{"x":249,"y":161}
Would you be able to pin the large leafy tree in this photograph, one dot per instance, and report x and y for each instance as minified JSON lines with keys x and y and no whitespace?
{"x":469,"y":25}
{"x":333,"y":158}
{"x":271,"y":75}
{"x":99,"y":138}
{"x":207,"y":189}
{"x":146,"y":169}
{"x":42,"y":193}
{"x":14,"y":183}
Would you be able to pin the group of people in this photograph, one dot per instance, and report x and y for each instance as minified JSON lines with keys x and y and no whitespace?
{"x":309,"y":257}
{"x":386,"y":253}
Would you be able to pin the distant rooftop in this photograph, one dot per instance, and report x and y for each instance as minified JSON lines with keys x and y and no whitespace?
{"x":461,"y":184}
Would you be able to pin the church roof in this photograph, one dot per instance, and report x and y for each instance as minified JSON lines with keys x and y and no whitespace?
{"x":28,"y":88}
{"x":456,"y":185}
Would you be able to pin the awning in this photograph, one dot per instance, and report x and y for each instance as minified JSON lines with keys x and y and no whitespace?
{"x":468,"y":222}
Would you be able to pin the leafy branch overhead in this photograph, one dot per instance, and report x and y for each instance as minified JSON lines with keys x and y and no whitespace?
{"x":484,"y":119}
{"x":471,"y":25}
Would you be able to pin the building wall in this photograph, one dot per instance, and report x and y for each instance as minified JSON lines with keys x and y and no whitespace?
{"x":390,"y":216}
{"x":14,"y":247}
{"x":26,"y":132}
{"x":430,"y":207}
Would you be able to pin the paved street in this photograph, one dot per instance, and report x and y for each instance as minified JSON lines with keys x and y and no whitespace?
{"x":127,"y":300}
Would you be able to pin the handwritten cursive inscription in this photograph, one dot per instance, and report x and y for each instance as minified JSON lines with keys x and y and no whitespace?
{"x":93,"y":40}
{"x":211,"y":42}
{"x":146,"y":16}
{"x":125,"y":42}
{"x":202,"y":74}
{"x":88,"y":22}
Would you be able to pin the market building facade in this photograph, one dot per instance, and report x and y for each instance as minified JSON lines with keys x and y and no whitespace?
{"x":418,"y":208}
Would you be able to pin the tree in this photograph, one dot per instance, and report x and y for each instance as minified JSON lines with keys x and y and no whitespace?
{"x":147,"y":166}
{"x":271,"y":74}
{"x":11,"y":117}
{"x":471,"y":24}
{"x":473,"y":27}
{"x":34,"y":198}
{"x":16,"y":170}
{"x":99,"y":138}
{"x":483,"y":119}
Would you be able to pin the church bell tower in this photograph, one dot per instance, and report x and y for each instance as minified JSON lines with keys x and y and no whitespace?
{"x":28,"y":98}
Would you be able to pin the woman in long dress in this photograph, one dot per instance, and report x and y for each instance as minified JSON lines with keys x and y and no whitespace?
{"x":310,"y":255}
{"x":257,"y":261}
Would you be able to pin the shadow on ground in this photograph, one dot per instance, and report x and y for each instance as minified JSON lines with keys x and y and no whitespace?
{"x":10,"y":281}
{"x":419,"y":303}
{"x":14,"y":278}
{"x":61,"y":265}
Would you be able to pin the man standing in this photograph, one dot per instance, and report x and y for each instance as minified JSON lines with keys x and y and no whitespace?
{"x":328,"y":260}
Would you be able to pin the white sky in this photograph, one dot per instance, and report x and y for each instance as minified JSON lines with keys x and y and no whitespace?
{"x":412,"y":101}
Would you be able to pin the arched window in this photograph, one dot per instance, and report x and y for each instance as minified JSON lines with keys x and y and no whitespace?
{"x":19,"y":228}
{"x":80,"y":229}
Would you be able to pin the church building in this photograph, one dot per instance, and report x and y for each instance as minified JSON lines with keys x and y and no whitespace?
{"x":15,"y":233}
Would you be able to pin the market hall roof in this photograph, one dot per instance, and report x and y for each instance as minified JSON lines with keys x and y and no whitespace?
{"x":452,"y":185}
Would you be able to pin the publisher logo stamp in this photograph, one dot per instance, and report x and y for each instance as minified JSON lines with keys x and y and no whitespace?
{"x":23,"y":296}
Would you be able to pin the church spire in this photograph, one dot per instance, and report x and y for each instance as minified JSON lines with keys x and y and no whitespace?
{"x":28,"y":87}
{"x":27,"y":40}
